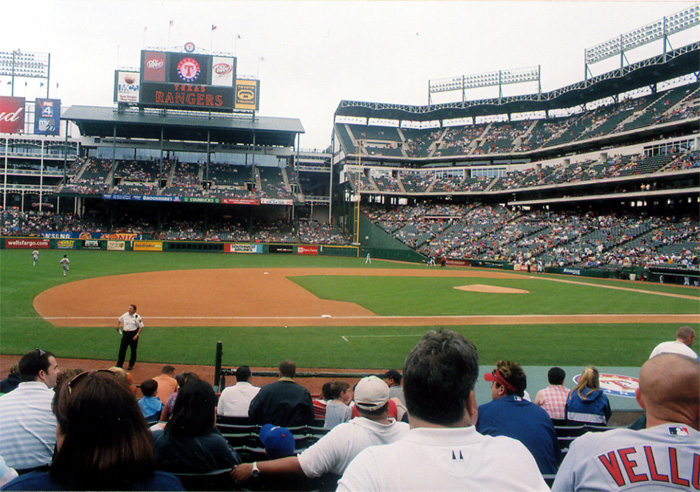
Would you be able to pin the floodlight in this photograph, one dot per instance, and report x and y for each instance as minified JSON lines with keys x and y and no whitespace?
{"x":20,"y":64}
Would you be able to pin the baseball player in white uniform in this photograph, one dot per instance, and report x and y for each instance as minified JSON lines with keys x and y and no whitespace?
{"x":65,"y":262}
{"x":665,"y":455}
{"x":35,"y":257}
{"x":129,"y":326}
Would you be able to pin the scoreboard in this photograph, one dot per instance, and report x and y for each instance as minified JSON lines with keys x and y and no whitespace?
{"x":187,"y":81}
{"x":194,"y":81}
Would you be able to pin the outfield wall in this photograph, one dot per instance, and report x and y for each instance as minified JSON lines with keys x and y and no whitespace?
{"x":377,"y":243}
{"x":130,"y":242}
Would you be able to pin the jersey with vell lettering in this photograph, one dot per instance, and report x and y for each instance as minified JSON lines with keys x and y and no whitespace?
{"x":666,"y":456}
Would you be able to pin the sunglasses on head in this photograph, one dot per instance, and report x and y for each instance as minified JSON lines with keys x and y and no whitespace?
{"x":82,"y":375}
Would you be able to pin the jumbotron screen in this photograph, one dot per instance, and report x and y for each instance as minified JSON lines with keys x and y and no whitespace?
{"x":187,"y":81}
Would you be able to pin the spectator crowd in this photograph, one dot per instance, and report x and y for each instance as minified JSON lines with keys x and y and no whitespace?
{"x":68,"y":429}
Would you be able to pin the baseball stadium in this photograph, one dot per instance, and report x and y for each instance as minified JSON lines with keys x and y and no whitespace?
{"x":555,"y":228}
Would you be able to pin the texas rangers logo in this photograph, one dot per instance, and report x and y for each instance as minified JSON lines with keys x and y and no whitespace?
{"x":188,"y":69}
{"x":616,"y":384}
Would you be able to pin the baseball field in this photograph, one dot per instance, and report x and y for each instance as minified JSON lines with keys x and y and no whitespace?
{"x":326,"y":312}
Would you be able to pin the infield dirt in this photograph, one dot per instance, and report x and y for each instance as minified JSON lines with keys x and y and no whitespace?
{"x":261,"y":297}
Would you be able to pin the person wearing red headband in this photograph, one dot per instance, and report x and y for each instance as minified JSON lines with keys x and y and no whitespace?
{"x":509,"y":414}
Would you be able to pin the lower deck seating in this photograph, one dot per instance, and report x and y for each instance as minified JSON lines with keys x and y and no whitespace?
{"x":566,"y":434}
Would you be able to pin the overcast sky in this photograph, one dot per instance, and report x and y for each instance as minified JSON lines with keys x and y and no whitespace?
{"x":311,"y":55}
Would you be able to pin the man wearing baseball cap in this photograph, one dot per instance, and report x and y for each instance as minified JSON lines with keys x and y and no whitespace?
{"x":334,"y":451}
{"x":443,"y":450}
{"x":509,"y":414}
{"x":277,"y":441}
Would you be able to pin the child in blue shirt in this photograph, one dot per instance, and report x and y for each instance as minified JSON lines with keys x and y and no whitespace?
{"x":150,"y":405}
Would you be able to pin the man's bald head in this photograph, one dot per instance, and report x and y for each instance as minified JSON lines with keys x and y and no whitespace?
{"x":669,"y":390}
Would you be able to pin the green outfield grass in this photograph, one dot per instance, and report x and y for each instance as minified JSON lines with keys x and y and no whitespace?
{"x":21,"y":329}
{"x":435,"y":296}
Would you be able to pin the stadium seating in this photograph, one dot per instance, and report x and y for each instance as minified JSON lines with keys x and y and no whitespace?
{"x":213,"y":480}
{"x":495,"y":233}
{"x":639,"y":110}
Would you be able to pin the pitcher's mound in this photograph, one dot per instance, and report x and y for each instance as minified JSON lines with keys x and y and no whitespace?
{"x":491,"y":289}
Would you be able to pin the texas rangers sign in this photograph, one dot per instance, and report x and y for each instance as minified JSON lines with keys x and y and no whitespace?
{"x":616,"y":384}
{"x":187,"y":80}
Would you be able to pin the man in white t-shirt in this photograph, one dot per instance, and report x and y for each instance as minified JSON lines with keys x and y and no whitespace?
{"x":443,"y":450}
{"x":685,"y":336}
{"x":235,"y":400}
{"x":334,"y":451}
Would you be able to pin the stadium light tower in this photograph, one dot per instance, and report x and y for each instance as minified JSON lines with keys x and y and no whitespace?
{"x":490,"y":79}
{"x":660,"y":29}
{"x":18,"y":64}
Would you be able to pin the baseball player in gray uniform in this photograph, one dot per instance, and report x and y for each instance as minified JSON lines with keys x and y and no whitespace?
{"x":665,"y":455}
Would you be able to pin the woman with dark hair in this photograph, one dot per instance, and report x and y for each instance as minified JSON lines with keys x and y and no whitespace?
{"x":182,"y":379}
{"x":586,"y":403}
{"x":103,"y":442}
{"x":190,"y":442}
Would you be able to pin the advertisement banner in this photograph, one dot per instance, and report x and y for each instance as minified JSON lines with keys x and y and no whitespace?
{"x":126,"y":86}
{"x":148,"y":246}
{"x":201,"y":199}
{"x":60,"y":235}
{"x":91,"y":244}
{"x":248,"y":95}
{"x":275,"y":201}
{"x":461,"y":263}
{"x":27,"y":243}
{"x":47,"y":116}
{"x":65,"y":244}
{"x":112,"y":196}
{"x":153,"y":66}
{"x":117,"y":236}
{"x":141,"y":198}
{"x":116,"y":246}
{"x":223,"y":71}
{"x":307,"y":250}
{"x":282,"y":248}
{"x":11,"y":114}
{"x":240,"y":201}
{"x":155,"y":198}
{"x":187,"y":96}
{"x":243,"y":248}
